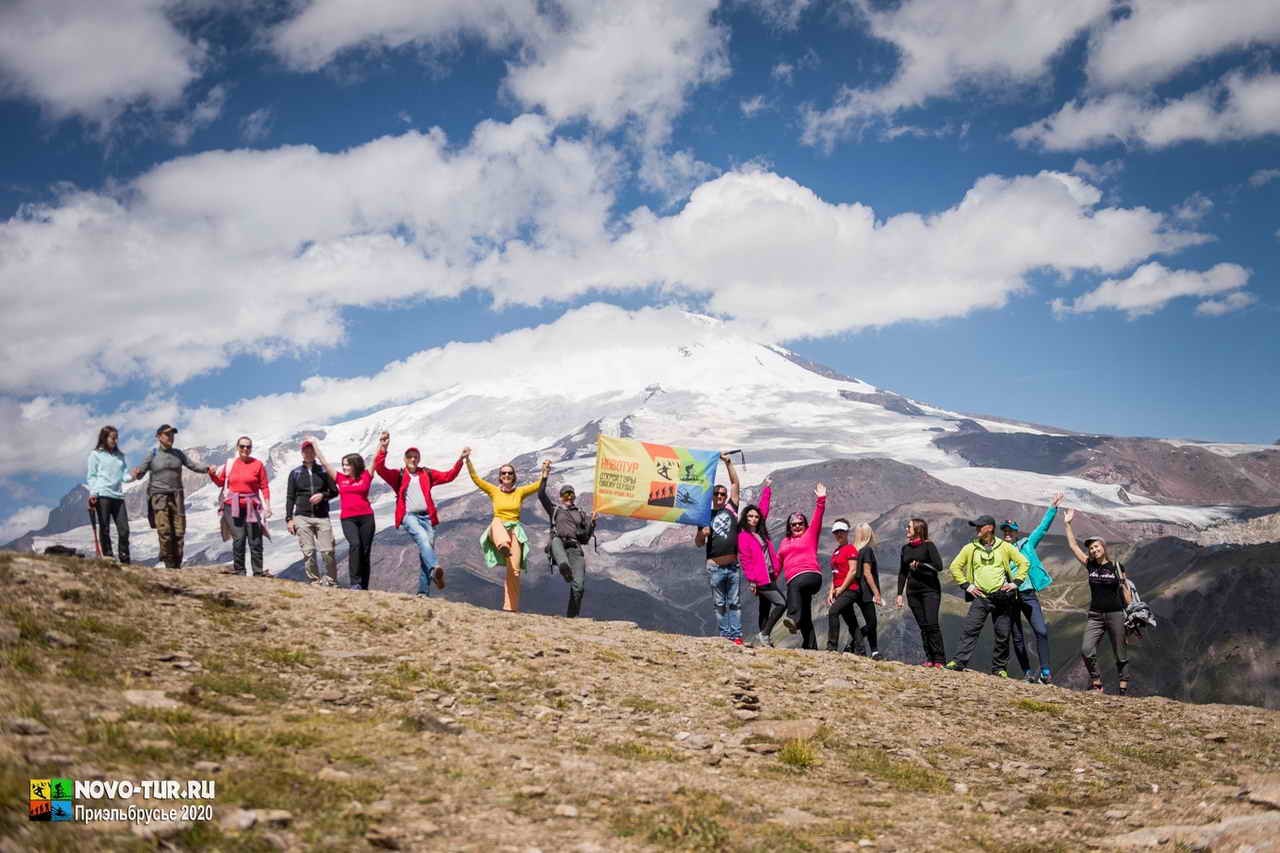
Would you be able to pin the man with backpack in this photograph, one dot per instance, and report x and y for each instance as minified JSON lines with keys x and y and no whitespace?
{"x":983,"y":568}
{"x":571,"y":528}
{"x":166,"y":497}
{"x":1028,"y":601}
{"x":307,"y":516}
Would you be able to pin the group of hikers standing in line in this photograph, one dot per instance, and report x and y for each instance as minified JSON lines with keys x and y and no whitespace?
{"x":1000,"y":576}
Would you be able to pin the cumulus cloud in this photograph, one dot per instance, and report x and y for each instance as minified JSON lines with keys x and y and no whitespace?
{"x":1239,"y":106}
{"x":228,"y":252}
{"x":943,"y":45}
{"x":1158,"y":39}
{"x":202,"y":115}
{"x":1262,"y":177}
{"x":22,"y":520}
{"x":1153,"y":286}
{"x":1194,"y":208}
{"x":1097,"y":172}
{"x":126,"y":53}
{"x":782,"y":14}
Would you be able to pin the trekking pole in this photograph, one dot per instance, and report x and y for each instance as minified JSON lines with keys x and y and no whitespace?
{"x":93,"y":532}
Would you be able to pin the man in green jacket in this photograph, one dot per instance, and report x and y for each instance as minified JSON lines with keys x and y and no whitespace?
{"x":985,"y":568}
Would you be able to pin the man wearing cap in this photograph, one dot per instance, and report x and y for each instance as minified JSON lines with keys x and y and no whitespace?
{"x":1028,"y":601}
{"x":415,"y":509}
{"x":306,"y":515}
{"x":721,"y":541}
{"x":166,"y":498}
{"x":571,"y":528}
{"x":984,"y":568}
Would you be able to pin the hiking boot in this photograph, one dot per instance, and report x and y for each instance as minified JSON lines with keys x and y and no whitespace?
{"x":875,"y":656}
{"x":1046,"y":677}
{"x":953,"y":666}
{"x":1030,"y":677}
{"x":1000,"y":673}
{"x":763,"y":639}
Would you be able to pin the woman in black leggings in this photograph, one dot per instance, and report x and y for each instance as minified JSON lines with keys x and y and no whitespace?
{"x":869,"y":580}
{"x":798,"y":556}
{"x":918,"y":573}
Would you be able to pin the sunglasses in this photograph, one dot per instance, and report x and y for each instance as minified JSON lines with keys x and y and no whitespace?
{"x":506,"y":473}
{"x":720,"y":494}
{"x":797,"y":524}
{"x":245,"y":446}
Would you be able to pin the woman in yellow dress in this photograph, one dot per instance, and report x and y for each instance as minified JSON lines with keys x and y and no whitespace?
{"x":504,"y":540}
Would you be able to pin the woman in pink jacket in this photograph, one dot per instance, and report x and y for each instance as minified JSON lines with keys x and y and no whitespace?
{"x":759,"y":561}
{"x":798,"y":556}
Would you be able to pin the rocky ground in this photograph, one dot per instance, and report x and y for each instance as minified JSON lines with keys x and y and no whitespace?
{"x":343,"y":720}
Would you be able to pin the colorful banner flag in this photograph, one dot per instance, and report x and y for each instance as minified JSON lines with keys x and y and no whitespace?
{"x":654,"y":481}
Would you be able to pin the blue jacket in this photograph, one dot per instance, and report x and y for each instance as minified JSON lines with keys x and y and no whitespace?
{"x":106,"y":474}
{"x":1037,"y":578}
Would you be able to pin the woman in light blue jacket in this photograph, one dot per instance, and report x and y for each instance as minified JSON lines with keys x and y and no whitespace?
{"x":1028,"y":600}
{"x":108,"y":471}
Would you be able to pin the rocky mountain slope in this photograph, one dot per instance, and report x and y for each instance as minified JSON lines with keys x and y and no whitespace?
{"x":334,"y":720}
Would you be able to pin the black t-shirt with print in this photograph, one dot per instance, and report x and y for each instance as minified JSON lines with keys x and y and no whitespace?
{"x":1104,"y":586}
{"x":724,"y":532}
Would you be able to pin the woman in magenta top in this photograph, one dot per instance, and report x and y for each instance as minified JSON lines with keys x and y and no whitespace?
{"x":759,"y":560}
{"x":798,"y":555}
{"x":246,"y":503}
{"x":356,"y":513}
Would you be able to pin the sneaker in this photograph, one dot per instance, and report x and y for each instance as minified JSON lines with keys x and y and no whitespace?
{"x":953,"y":666}
{"x":928,"y":664}
{"x":1001,"y":673}
{"x":875,"y":656}
{"x":737,"y":641}
{"x":1030,"y":677}
{"x":789,"y":624}
{"x":764,"y":640}
{"x":1046,"y":677}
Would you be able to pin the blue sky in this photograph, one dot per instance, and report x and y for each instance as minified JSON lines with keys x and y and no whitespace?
{"x":1067,"y":215}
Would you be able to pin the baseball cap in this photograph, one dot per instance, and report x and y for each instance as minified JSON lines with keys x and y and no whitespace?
{"x":166,"y":428}
{"x":409,"y":450}
{"x":1009,"y":525}
{"x":567,"y":489}
{"x":1093,"y":539}
{"x":307,"y":444}
{"x":839,"y":526}
{"x":983,"y":521}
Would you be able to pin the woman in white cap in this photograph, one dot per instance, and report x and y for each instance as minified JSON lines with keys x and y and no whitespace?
{"x":844,"y":592}
{"x":1108,"y":597}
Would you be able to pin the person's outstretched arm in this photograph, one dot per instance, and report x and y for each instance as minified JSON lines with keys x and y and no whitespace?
{"x":734,"y":489}
{"x":324,"y":463}
{"x":191,"y":466}
{"x":483,"y":485}
{"x":819,"y":509}
{"x":391,"y":478}
{"x":452,"y":473}
{"x":547,"y":506}
{"x":766,"y":496}
{"x":1045,"y":523}
{"x":1071,"y":538}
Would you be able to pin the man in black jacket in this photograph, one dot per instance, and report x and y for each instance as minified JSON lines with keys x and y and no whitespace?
{"x":571,"y":528}
{"x":307,"y":515}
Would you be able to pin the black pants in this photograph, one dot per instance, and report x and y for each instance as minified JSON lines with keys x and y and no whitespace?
{"x":1000,"y":609}
{"x":772,"y":600}
{"x":869,"y":625}
{"x":843,"y":608}
{"x":924,"y":603}
{"x":800,"y":592}
{"x":107,"y":509}
{"x":243,"y":533}
{"x":359,"y":531}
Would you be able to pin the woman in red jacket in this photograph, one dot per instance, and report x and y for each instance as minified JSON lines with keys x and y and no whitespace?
{"x":246,"y":504}
{"x":798,"y":555}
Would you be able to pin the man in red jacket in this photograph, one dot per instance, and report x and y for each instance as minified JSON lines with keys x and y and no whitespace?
{"x":415,"y":509}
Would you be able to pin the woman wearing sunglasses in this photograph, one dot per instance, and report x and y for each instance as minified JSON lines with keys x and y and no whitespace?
{"x":504,"y":540}
{"x":246,"y":504}
{"x":798,"y":556}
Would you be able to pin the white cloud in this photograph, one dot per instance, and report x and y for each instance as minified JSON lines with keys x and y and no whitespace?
{"x":943,"y":45}
{"x":205,"y":113}
{"x":94,"y":59}
{"x":750,"y":235}
{"x":1239,"y":106}
{"x":1262,"y":177}
{"x":1194,"y":208}
{"x":1231,"y":302}
{"x":673,"y":174}
{"x":256,"y":252}
{"x":783,"y":71}
{"x":1153,"y":285}
{"x":609,"y":63}
{"x":23,"y":519}
{"x":1159,"y":38}
{"x":753,"y":105}
{"x":256,"y":126}
{"x":1097,"y":173}
{"x":782,"y":14}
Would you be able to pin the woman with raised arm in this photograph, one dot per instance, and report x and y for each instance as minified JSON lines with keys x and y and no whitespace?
{"x":1108,"y":597}
{"x":355,"y":512}
{"x":918,"y":570}
{"x":505,"y":540}
{"x":759,"y":560}
{"x":798,"y":556}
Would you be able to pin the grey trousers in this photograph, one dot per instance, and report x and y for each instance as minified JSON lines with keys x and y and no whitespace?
{"x":316,"y":534}
{"x":1112,"y":624}
{"x":572,"y":564}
